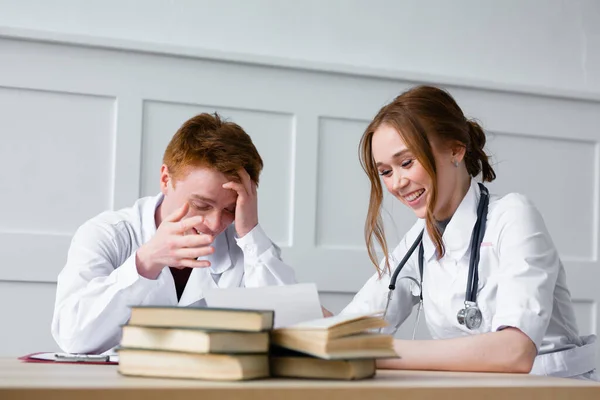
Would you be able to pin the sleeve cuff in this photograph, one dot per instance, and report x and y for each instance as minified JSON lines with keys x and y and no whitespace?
{"x":254,"y":243}
{"x":128,"y":277}
{"x":526,"y":321}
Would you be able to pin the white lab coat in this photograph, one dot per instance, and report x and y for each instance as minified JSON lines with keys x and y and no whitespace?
{"x":100,"y":281}
{"x":522,"y":284}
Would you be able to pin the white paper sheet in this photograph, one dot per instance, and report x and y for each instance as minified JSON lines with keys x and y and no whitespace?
{"x":292,"y":303}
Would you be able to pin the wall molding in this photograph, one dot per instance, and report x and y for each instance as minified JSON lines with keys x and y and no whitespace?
{"x":287,"y":63}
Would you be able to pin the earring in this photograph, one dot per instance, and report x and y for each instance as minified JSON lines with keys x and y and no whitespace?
{"x":455,"y":163}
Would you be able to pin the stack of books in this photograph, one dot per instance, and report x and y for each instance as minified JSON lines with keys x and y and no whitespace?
{"x":198,"y":343}
{"x":340,"y":347}
{"x":235,"y":344}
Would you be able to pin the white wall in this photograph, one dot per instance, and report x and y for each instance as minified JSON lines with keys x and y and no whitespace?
{"x":541,"y":47}
{"x":531,"y":43}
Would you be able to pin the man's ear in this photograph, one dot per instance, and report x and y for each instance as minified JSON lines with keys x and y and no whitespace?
{"x":165,"y":179}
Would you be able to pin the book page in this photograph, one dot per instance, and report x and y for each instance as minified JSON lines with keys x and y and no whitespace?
{"x":325,"y":323}
{"x":292,"y":303}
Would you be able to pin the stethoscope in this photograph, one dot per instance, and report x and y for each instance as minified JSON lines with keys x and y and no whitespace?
{"x":469,"y":316}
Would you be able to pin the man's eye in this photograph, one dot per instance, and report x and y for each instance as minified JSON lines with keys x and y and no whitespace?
{"x":202,"y":207}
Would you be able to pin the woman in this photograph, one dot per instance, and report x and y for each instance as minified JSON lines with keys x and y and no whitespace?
{"x":492,"y":286}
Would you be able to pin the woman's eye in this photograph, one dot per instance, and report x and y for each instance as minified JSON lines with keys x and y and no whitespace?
{"x":385,"y":172}
{"x":406,"y":163}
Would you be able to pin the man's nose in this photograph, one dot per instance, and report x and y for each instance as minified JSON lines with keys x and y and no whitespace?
{"x":213,"y":221}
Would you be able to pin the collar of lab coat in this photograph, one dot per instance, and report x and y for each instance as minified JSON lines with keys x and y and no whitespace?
{"x":457,"y":236}
{"x":220,"y":260}
{"x":147,"y":214}
{"x":222,"y":263}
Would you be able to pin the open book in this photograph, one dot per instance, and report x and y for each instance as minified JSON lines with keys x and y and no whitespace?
{"x":338,"y":337}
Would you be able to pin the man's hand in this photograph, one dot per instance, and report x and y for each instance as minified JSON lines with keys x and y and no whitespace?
{"x":246,"y":208}
{"x":175,"y":244}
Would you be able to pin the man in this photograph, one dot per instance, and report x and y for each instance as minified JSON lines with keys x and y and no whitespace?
{"x":200,"y":232}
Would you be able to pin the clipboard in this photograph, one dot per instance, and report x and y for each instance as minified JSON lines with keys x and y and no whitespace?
{"x":66,"y":358}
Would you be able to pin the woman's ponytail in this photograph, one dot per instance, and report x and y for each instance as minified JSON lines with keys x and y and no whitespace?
{"x":476,"y":159}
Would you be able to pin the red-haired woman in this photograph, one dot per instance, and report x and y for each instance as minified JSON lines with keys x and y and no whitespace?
{"x":484,"y":268}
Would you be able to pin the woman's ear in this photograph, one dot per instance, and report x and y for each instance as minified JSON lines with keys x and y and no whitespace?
{"x":458,"y":152}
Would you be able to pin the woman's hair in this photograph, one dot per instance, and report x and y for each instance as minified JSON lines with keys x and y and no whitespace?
{"x":418,"y":115}
{"x":208,"y":141}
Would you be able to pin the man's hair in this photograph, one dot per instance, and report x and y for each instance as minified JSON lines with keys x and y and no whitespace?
{"x":206,"y":140}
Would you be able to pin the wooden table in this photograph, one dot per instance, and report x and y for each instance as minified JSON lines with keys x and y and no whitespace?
{"x":68,"y":381}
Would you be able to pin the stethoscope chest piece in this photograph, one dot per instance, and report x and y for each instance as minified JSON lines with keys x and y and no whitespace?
{"x":470,"y":316}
